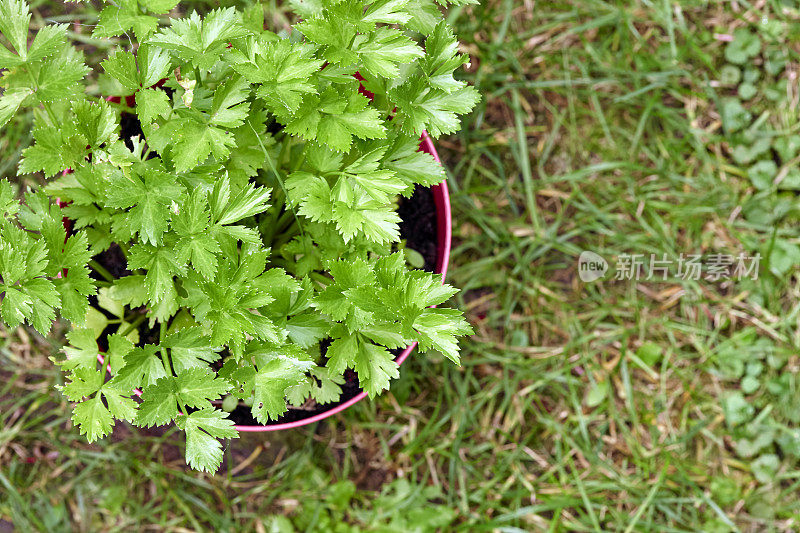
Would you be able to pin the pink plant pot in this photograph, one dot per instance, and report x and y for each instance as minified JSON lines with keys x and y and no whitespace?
{"x":441,"y":198}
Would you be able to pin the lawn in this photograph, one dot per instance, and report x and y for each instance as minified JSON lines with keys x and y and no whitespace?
{"x":666,"y":129}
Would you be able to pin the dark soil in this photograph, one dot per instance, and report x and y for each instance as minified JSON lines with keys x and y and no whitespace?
{"x":418,"y":225}
{"x":112,"y":260}
{"x":129,"y":127}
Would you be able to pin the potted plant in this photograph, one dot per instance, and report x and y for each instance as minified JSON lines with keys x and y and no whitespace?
{"x":232,"y":229}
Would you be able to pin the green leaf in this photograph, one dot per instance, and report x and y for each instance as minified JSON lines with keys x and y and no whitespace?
{"x":224,"y":304}
{"x":375,"y":367}
{"x":747,"y":91}
{"x":128,"y":290}
{"x":201,"y":41}
{"x":194,"y":387}
{"x":74,"y":288}
{"x":123,"y":17}
{"x":191,"y":141}
{"x":650,"y":353}
{"x":744,"y":46}
{"x":765,"y":467}
{"x":83,"y":383}
{"x":272,"y":380}
{"x":326,"y":386}
{"x":154,"y":65}
{"x":93,"y":418}
{"x":734,"y":115}
{"x":122,"y":67}
{"x":152,"y":104}
{"x":334,"y":119}
{"x":250,"y":200}
{"x":341,"y":354}
{"x":159,"y":403}
{"x":149,"y":194}
{"x":14,"y":20}
{"x":335,"y":33}
{"x":737,"y":409}
{"x":421,"y":108}
{"x":28,"y":294}
{"x":784,"y":256}
{"x":597,"y":393}
{"x":425,"y":16}
{"x":161,"y":264}
{"x":387,"y":12}
{"x":411,"y":165}
{"x":95,"y":122}
{"x":387,"y":334}
{"x":55,"y":149}
{"x":762,"y":174}
{"x":748,"y":151}
{"x":190,"y":348}
{"x":82,"y":352}
{"x":9,"y":205}
{"x":196,"y":243}
{"x":430,"y":98}
{"x":143,"y":71}
{"x":203,"y":428}
{"x":442,"y":59}
{"x":58,"y":77}
{"x":142,"y":367}
{"x":159,"y":6}
{"x":10,"y":102}
{"x":66,"y":257}
{"x":120,"y":405}
{"x":307,"y":329}
{"x":425,"y":290}
{"x":787,"y":147}
{"x":347,"y":275}
{"x":118,"y":348}
{"x":198,"y":386}
{"x":283,"y":70}
{"x":438,"y":329}
{"x":385,"y":49}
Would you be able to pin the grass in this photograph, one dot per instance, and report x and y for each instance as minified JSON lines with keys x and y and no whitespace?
{"x":614,"y":405}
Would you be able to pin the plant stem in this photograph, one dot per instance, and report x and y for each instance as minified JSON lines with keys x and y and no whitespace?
{"x":286,"y":235}
{"x":135,"y":324}
{"x":319,"y":278}
{"x":100,"y":269}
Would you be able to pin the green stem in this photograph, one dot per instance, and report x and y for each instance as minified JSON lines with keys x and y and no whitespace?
{"x":100,"y":269}
{"x":135,"y":324}
{"x":274,"y":171}
{"x":165,"y":357}
{"x":284,"y":221}
{"x":286,"y":235}
{"x":316,"y":276}
{"x":124,"y":247}
{"x":278,"y":262}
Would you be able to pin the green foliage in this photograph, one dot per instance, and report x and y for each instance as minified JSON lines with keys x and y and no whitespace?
{"x":400,"y":506}
{"x":744,"y":46}
{"x":258,"y":246}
